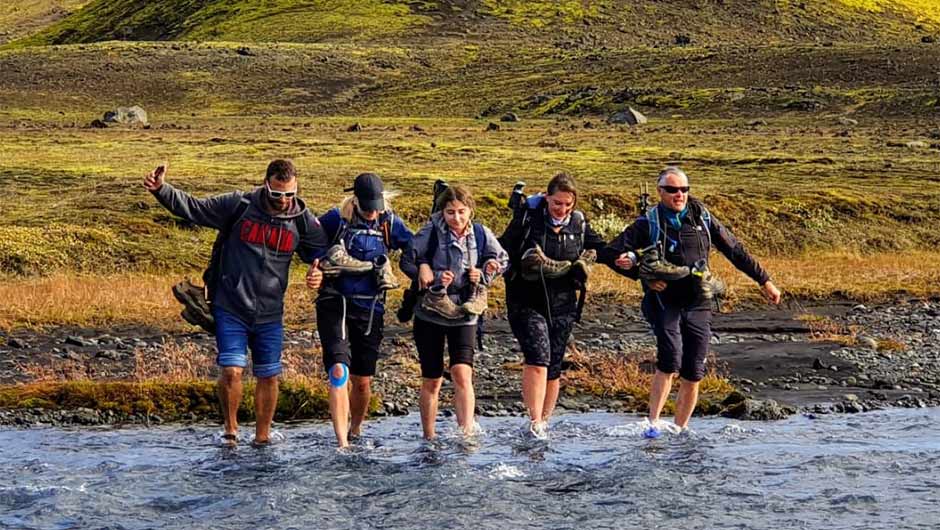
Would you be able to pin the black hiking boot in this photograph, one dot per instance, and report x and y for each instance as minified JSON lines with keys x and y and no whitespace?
{"x":196,"y":309}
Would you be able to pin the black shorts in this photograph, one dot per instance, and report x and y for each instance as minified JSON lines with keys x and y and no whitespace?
{"x":542,"y":343}
{"x":429,"y":340}
{"x":682,"y":336}
{"x":357,"y":350}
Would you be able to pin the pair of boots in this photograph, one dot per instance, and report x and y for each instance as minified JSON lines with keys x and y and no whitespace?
{"x":436,"y":300}
{"x":535,"y":264}
{"x":338,"y":261}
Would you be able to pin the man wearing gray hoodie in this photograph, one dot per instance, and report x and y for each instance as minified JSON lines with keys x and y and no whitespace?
{"x":261,"y":230}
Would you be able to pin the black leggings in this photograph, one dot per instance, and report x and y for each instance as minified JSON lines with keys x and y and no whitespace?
{"x":429,"y":340}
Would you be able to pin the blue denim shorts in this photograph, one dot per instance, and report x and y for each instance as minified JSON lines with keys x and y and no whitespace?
{"x":233,"y":338}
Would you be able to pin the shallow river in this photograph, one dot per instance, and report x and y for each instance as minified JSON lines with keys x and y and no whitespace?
{"x":875,"y":470}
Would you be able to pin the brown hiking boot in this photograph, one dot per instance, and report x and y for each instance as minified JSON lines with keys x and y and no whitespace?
{"x":196,"y":308}
{"x":584,"y":262}
{"x":710,"y":285}
{"x":337,"y":261}
{"x":384,"y":274}
{"x":535,"y":264}
{"x":436,"y":301}
{"x":653,"y":267}
{"x":476,"y":304}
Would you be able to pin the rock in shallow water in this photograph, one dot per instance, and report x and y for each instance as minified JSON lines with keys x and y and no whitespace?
{"x":761,"y":410}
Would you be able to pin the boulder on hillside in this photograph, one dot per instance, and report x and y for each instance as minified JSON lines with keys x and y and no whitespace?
{"x":509,"y":117}
{"x":630,"y":116}
{"x":131,"y":116}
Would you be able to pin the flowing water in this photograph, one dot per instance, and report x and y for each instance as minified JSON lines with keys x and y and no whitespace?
{"x":875,"y":470}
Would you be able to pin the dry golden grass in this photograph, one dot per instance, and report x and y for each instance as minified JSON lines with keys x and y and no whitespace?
{"x":145,"y":299}
{"x":173,"y":363}
{"x":872,"y":277}
{"x":824,"y":329}
{"x":616,"y":375}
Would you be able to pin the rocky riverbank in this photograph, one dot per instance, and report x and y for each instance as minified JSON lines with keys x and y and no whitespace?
{"x":841,"y":357}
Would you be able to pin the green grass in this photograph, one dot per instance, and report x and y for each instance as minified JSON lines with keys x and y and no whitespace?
{"x":785,"y":188}
{"x":427,"y":24}
{"x":230,"y":20}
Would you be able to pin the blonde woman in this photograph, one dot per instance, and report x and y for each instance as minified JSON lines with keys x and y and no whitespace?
{"x":351,"y":305}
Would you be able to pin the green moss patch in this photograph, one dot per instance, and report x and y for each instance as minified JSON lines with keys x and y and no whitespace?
{"x":171,"y":401}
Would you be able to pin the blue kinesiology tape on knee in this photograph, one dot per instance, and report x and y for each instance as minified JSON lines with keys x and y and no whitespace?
{"x":341,"y":380}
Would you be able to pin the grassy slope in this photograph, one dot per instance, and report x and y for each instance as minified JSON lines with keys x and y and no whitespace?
{"x":606,"y":22}
{"x":795,"y":182}
{"x":20,"y":19}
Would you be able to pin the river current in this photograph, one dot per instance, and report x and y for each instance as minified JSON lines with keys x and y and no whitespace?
{"x":874,"y":470}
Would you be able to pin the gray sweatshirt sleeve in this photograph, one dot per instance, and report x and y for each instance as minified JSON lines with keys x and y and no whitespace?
{"x":211,"y":212}
{"x":493,"y":251}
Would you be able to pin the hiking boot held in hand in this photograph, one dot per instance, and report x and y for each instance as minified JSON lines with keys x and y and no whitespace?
{"x":654,"y":267}
{"x":338,"y":261}
{"x":196,"y":308}
{"x":535,"y":264}
{"x":384,"y":275}
{"x":584,"y":262}
{"x":476,"y":305}
{"x":436,"y":301}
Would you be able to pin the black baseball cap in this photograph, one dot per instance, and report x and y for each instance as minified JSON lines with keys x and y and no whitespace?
{"x":368,"y":190}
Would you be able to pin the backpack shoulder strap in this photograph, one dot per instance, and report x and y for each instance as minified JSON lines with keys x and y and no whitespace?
{"x":340,"y":230}
{"x":302,"y":225}
{"x":479,"y":235}
{"x":432,"y":244}
{"x":237,"y":214}
{"x":707,"y":224}
{"x":577,"y":217}
{"x":386,"y":227}
{"x":652,"y":218}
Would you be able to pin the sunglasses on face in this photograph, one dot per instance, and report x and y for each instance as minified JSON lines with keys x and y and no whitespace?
{"x":274,"y":194}
{"x":674,"y":189}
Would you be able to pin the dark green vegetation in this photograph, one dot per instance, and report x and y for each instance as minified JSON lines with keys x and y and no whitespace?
{"x":171,"y":401}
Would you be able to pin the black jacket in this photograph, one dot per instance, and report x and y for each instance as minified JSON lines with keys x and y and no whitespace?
{"x":684,"y":247}
{"x":523,"y":233}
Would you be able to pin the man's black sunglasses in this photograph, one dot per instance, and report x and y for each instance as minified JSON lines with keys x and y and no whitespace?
{"x":675,"y":189}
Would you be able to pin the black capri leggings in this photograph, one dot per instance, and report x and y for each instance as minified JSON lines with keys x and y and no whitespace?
{"x":429,"y":340}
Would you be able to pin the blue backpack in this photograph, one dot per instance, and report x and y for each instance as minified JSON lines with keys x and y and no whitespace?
{"x":654,"y":219}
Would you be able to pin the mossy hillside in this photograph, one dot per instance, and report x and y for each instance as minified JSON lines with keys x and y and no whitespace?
{"x":927,"y":10}
{"x":172,"y":401}
{"x":230,"y":20}
{"x":613,"y":23}
{"x":71,"y":200}
{"x":20,"y":19}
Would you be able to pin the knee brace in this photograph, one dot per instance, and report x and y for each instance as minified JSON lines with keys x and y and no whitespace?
{"x":337,"y":382}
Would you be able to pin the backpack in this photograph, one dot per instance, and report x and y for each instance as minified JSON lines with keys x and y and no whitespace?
{"x":385,"y":225}
{"x":533,"y":203}
{"x":653,"y":219}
